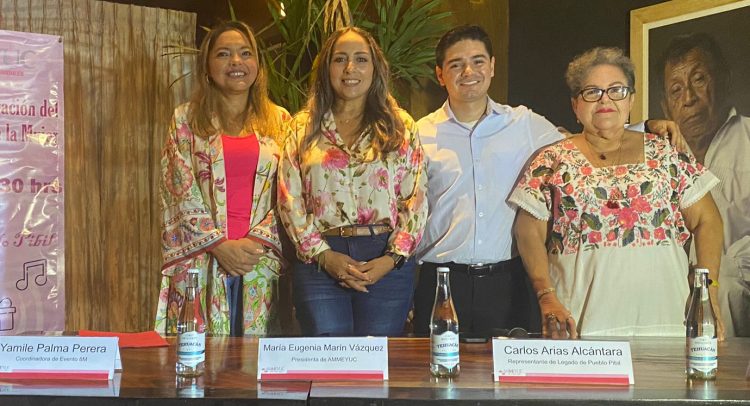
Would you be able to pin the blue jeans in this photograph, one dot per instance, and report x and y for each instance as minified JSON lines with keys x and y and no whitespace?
{"x":326,"y":309}
{"x":234,"y":300}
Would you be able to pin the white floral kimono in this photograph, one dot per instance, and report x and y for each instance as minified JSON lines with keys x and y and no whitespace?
{"x":194,"y":218}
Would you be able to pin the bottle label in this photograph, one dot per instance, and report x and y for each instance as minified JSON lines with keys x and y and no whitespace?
{"x":445,"y":349}
{"x":702,"y":354}
{"x":191,"y":348}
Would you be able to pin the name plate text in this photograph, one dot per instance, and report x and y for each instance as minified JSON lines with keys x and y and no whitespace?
{"x":329,"y":358}
{"x":25,"y":357}
{"x":564,"y":361}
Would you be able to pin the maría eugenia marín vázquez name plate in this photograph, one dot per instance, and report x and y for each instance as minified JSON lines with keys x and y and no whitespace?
{"x":329,"y":358}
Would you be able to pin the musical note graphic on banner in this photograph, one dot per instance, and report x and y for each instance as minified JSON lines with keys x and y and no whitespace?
{"x":29,"y":267}
{"x":6,"y":314}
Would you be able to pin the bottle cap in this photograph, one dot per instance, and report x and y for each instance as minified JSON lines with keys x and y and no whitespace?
{"x":699,"y":271}
{"x":194,"y":270}
{"x":443,"y":269}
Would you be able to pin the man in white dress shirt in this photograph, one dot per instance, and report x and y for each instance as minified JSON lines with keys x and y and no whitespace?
{"x":475,"y":149}
{"x":696,"y":89}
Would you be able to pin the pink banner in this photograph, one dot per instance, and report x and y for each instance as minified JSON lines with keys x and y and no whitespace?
{"x":32,"y":259}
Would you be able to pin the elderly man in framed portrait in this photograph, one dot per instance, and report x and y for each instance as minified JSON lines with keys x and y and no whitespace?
{"x":696,"y":87}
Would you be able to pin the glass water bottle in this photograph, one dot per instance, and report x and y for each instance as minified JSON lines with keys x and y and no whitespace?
{"x":191,"y":331}
{"x":444,"y":329}
{"x":701,"y":343}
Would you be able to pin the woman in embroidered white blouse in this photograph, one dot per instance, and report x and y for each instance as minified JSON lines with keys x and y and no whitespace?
{"x":621,"y":206}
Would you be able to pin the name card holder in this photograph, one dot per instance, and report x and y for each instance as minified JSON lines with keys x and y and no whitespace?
{"x":329,"y":358}
{"x":84,"y":358}
{"x":563,"y":361}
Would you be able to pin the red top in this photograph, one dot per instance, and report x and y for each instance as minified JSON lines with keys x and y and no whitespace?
{"x":240,"y":164}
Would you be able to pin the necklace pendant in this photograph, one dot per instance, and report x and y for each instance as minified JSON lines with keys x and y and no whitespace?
{"x":602,"y":157}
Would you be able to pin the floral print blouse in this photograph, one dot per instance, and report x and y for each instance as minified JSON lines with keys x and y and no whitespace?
{"x":630,"y":205}
{"x":330,"y":185}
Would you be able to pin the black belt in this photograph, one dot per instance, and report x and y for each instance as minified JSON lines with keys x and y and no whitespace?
{"x":480,"y":270}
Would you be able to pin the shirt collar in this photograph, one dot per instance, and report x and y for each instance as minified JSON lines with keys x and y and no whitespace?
{"x":732,"y":114}
{"x":493,"y":108}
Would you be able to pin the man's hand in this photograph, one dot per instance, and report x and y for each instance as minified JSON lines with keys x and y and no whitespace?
{"x":670,"y":129}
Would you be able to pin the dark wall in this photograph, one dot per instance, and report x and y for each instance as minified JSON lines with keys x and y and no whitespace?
{"x":545,"y":35}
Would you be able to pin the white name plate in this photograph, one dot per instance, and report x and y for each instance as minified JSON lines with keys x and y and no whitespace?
{"x":329,"y":358}
{"x":26,"y":357}
{"x":562,"y":361}
{"x":78,"y":388}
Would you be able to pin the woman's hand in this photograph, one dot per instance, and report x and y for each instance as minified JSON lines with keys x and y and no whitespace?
{"x":557,"y":322}
{"x":376,"y":268}
{"x":721,"y":333}
{"x":238,"y":257}
{"x":343,"y":268}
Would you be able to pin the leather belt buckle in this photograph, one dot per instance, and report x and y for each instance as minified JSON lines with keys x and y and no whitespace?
{"x":479,"y":270}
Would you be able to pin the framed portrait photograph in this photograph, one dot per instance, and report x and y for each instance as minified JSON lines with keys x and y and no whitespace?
{"x":723,"y":23}
{"x":692,"y":60}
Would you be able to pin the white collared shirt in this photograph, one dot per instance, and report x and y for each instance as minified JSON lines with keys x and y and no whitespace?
{"x":470,"y":174}
{"x":728,"y":157}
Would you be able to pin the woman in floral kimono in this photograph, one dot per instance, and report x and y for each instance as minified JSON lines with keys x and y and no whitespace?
{"x":352,"y":195}
{"x":218,"y":193}
{"x":621,"y":205}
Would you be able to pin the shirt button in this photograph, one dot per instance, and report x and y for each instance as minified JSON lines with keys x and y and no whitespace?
{"x":479,"y":242}
{"x":480,"y":187}
{"x":481,"y":214}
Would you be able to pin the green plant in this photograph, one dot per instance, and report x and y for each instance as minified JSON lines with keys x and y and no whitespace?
{"x":406,"y":30}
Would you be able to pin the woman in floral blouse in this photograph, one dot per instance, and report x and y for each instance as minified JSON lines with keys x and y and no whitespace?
{"x":218,"y":172}
{"x":622,"y":204}
{"x":352,"y":195}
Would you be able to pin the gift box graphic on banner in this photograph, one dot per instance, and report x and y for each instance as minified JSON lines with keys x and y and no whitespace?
{"x":7,"y":312}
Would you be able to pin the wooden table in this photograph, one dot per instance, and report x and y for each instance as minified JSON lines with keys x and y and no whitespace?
{"x":659,"y":369}
{"x":148,"y":379}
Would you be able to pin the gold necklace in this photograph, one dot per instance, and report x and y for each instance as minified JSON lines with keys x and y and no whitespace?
{"x":601,"y":155}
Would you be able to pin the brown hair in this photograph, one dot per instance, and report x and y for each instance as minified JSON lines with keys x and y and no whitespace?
{"x":381,"y":110}
{"x":260,"y":111}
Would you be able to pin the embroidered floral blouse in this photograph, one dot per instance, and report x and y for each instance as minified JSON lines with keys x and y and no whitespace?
{"x":631,"y":205}
{"x":331,"y":185}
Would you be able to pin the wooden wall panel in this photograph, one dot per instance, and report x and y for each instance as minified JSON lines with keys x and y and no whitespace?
{"x":493,"y":16}
{"x":117,"y":107}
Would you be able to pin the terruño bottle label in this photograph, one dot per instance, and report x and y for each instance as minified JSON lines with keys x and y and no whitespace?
{"x":702,"y":353}
{"x":445,"y":349}
{"x":191,"y":348}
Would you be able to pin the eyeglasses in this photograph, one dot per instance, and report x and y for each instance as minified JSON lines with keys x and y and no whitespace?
{"x":615,"y":93}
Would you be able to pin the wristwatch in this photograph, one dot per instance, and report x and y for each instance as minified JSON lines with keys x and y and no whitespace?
{"x":398,"y":260}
